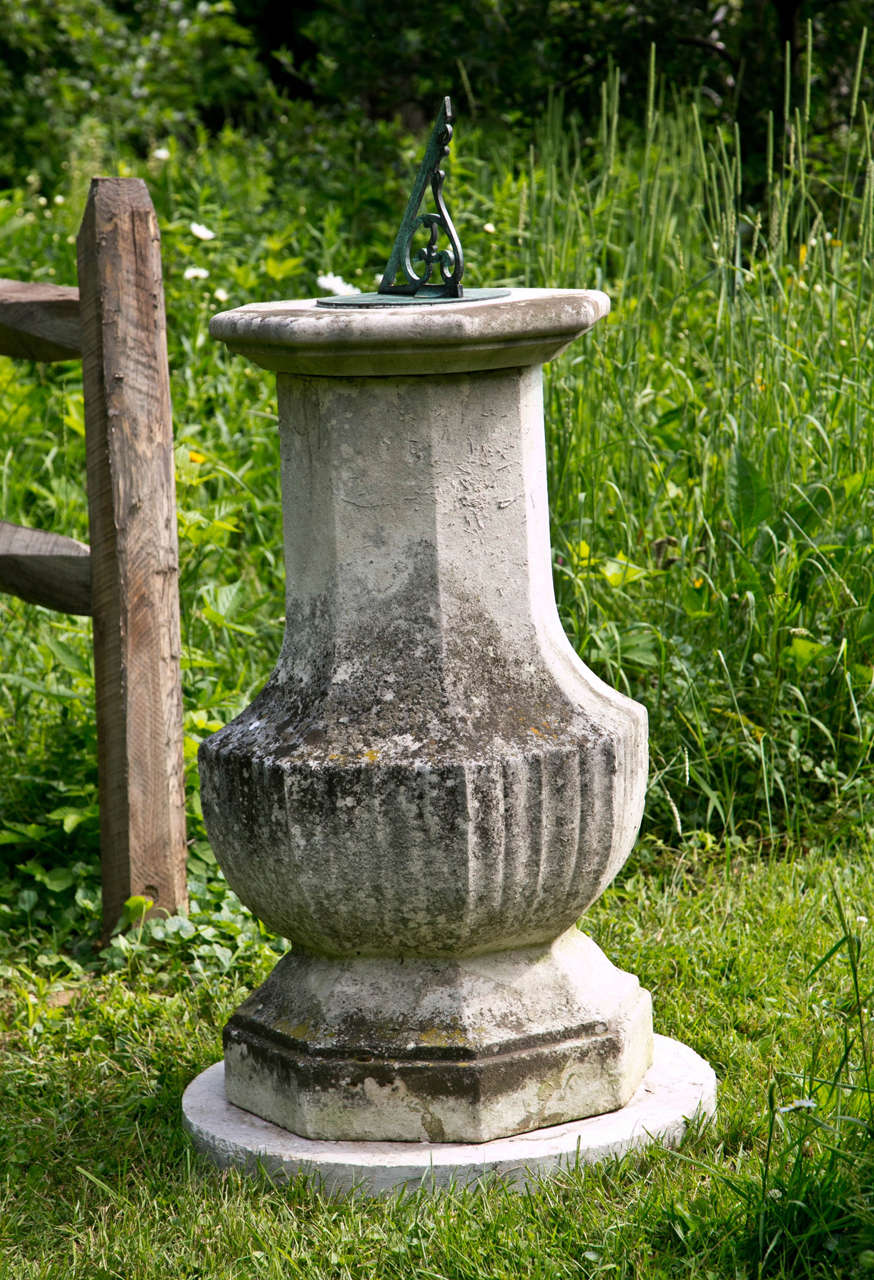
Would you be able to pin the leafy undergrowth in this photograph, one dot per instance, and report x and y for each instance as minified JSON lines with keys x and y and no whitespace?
{"x":762,"y":967}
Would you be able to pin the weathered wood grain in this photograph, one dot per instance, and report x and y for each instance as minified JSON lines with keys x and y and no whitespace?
{"x":45,"y":568}
{"x":134,"y":554}
{"x":39,"y":321}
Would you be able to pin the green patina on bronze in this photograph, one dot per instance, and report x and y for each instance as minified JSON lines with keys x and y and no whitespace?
{"x":417,"y":287}
{"x":449,"y":261}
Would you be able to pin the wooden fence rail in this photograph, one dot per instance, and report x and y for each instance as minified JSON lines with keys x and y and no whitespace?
{"x":128,"y":579}
{"x":39,"y":321}
{"x":45,"y":568}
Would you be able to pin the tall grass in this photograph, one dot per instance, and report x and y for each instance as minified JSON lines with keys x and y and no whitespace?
{"x":711,"y":453}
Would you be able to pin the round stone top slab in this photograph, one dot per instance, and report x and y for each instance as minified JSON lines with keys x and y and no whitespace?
{"x":526,"y":327}
{"x":678,"y":1088}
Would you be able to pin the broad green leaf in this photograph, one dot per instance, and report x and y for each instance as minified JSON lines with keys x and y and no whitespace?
{"x":858,"y":481}
{"x":228,"y":598}
{"x":58,"y":879}
{"x":43,"y":689}
{"x":618,"y":570}
{"x":749,"y":498}
{"x":695,"y":598}
{"x":70,"y":817}
{"x":582,"y":554}
{"x":74,"y":412}
{"x":282,"y":268}
{"x":202,"y":849}
{"x":219,"y":620}
{"x":802,"y":651}
{"x":244,"y":274}
{"x":137,"y":906}
{"x":55,"y":879}
{"x":67,"y":656}
{"x":22,"y":833}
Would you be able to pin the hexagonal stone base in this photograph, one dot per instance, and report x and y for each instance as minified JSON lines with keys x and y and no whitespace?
{"x":430,"y":1050}
{"x":678,"y":1087}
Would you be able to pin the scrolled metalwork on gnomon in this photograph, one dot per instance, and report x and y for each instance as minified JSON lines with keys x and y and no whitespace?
{"x":416,"y":287}
{"x":450,"y":262}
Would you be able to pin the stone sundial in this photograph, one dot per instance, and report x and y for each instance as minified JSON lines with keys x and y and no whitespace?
{"x":431,"y":788}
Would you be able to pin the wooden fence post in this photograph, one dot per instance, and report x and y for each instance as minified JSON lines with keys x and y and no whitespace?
{"x":134,"y":552}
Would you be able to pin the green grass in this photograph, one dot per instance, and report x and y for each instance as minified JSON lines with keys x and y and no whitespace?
{"x":99,"y":1180}
{"x":710,"y":452}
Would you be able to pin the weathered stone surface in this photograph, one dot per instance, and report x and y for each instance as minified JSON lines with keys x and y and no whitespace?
{"x":431,"y":778}
{"x":430,"y":770}
{"x":678,"y":1087}
{"x":440,"y":1051}
{"x":528,"y":327}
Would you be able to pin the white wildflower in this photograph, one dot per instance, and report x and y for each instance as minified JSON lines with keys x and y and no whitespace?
{"x":490,"y":228}
{"x":202,"y":232}
{"x":59,"y":199}
{"x":161,"y":153}
{"x":196,"y":273}
{"x":221,"y":295}
{"x":336,"y":285}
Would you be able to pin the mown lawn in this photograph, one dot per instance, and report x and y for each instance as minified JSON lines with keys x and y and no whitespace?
{"x":100,"y":1181}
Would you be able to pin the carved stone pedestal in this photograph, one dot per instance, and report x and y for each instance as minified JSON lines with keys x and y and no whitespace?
{"x":432,"y":788}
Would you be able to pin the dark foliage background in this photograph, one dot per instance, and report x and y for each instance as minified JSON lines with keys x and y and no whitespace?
{"x":508,"y":57}
{"x":143,"y":68}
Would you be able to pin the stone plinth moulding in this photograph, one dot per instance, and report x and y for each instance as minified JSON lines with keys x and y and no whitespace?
{"x":431,"y":788}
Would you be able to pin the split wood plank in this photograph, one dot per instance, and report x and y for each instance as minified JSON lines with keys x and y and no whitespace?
{"x":39,"y":321}
{"x":45,"y":568}
{"x":134,"y":552}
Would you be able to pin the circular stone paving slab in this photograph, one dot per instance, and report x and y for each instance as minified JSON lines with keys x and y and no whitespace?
{"x":679,"y":1086}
